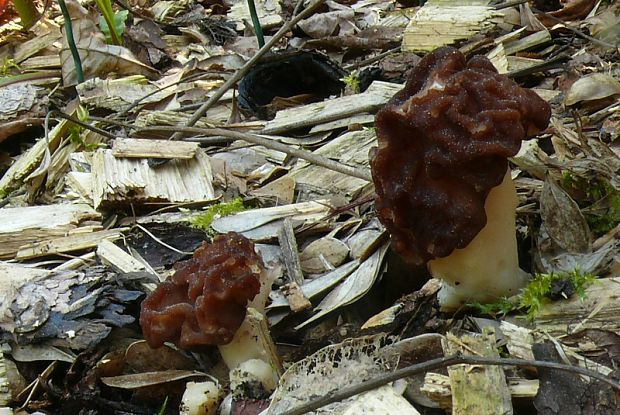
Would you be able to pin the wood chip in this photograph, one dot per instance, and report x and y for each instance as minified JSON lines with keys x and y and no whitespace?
{"x":117,"y":258}
{"x":26,"y":225}
{"x":443,"y":22}
{"x":377,"y":94}
{"x":118,"y":180}
{"x":350,"y":149}
{"x":477,"y":388}
{"x":140,"y":148}
{"x":69,"y":243}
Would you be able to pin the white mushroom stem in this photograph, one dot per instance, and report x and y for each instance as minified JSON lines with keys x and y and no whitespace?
{"x":252,"y":341}
{"x":487,"y":268}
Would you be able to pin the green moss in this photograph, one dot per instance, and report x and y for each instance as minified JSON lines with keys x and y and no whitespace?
{"x":222,"y":209}
{"x":536,"y":294}
{"x":497,"y":309}
{"x":352,"y":81}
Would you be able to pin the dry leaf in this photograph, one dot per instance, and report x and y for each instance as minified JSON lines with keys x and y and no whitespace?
{"x":606,"y":25}
{"x":563,"y":219}
{"x":353,"y":288}
{"x":592,"y":87}
{"x":98,"y":58}
{"x":329,"y":369}
{"x":323,"y":254}
{"x":141,"y":380}
{"x":322,"y":25}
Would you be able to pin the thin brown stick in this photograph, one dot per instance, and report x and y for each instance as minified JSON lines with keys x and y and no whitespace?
{"x":271,"y":144}
{"x":246,"y":68}
{"x":373,"y":59}
{"x":575,"y":31}
{"x":433,"y":364}
{"x":509,"y":4}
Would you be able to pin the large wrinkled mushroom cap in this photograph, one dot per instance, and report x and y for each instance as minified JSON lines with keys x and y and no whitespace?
{"x":443,"y":144}
{"x":205,"y":301}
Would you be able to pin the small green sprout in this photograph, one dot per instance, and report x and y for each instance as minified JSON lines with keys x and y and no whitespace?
{"x":7,"y":65}
{"x":213,"y":212}
{"x":163,"y":408}
{"x":352,"y":80}
{"x":76,"y":132}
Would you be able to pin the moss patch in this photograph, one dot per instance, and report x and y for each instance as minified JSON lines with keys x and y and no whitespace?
{"x":213,"y":212}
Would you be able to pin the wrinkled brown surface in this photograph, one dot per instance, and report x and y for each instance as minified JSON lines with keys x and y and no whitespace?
{"x":443,"y":144}
{"x":205,"y":301}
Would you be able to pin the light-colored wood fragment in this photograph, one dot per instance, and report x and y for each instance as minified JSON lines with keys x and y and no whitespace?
{"x":351,"y":149}
{"x":295,"y":297}
{"x":528,"y":42}
{"x":443,"y":22}
{"x":518,"y":63}
{"x":119,"y":180}
{"x":437,"y":388}
{"x":77,"y":262}
{"x":215,"y":117}
{"x":142,"y":148}
{"x":22,"y":106}
{"x":24,"y":225}
{"x":511,"y":47}
{"x":41,"y":62}
{"x":477,"y":389}
{"x":73,"y":242}
{"x":59,"y":165}
{"x":30,"y":160}
{"x":82,"y":184}
{"x":601,"y":303}
{"x":116,"y":258}
{"x":360,"y":119}
{"x":50,"y":34}
{"x":122,"y":262}
{"x":377,"y":94}
{"x":247,"y":221}
{"x":520,"y":340}
{"x":383,"y":400}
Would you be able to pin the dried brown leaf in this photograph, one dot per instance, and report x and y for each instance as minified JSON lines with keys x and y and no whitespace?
{"x":98,"y":58}
{"x":563,"y":219}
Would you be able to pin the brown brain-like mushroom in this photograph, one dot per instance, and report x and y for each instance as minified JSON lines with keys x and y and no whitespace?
{"x":205,"y":301}
{"x":442,"y":155}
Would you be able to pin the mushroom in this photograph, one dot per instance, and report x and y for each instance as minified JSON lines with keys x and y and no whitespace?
{"x":207,"y":300}
{"x":443,"y":185}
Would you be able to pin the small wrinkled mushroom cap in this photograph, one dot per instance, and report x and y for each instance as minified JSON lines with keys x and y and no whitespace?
{"x":444,"y":141}
{"x":205,"y":301}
